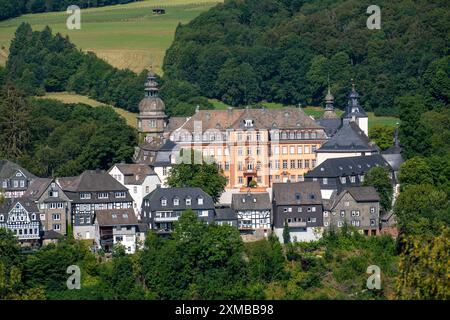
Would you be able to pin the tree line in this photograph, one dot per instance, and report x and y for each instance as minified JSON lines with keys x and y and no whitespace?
{"x":41,"y":62}
{"x":51,"y":138}
{"x":14,"y":8}
{"x":288,"y":51}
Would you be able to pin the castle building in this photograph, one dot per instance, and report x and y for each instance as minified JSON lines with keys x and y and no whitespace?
{"x":355,"y":113}
{"x":152,"y":118}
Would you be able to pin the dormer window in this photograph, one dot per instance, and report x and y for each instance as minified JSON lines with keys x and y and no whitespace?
{"x":176,"y":201}
{"x":312,"y":196}
{"x":103,"y":195}
{"x":248,"y":123}
{"x":5,"y":184}
{"x":33,"y":216}
{"x":298,"y":196}
{"x":163,"y":202}
{"x":120,"y":194}
{"x":85,"y":195}
{"x":188,"y":201}
{"x":2,"y":218}
{"x":200,"y":200}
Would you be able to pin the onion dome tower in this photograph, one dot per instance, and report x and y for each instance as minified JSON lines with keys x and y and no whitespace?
{"x":355,"y":112}
{"x":152,"y":118}
{"x":329,"y":107}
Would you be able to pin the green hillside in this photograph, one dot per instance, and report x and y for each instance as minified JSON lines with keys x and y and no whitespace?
{"x":126,"y":36}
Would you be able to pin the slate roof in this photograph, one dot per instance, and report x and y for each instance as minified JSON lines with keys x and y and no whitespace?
{"x":331,"y":126}
{"x":175,"y":123}
{"x":338,"y":167}
{"x":91,"y":181}
{"x":27,"y":203}
{"x":116,"y":217}
{"x":51,"y":234}
{"x":349,"y":138}
{"x":37,"y":188}
{"x":225,"y":213}
{"x":297,"y":193}
{"x":251,"y":201}
{"x":234,"y":118}
{"x":156,"y":195}
{"x":8,"y":168}
{"x":363,"y":194}
{"x":134,"y":174}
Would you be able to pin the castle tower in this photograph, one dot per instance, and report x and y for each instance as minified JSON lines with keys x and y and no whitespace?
{"x":329,"y":106}
{"x":355,"y":112}
{"x":152,"y":118}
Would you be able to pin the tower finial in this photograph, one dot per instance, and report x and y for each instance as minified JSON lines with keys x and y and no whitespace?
{"x":353,"y":84}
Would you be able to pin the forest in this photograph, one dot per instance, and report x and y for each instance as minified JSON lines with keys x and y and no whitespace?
{"x":50,"y":138}
{"x":14,"y":8}
{"x":287,"y":51}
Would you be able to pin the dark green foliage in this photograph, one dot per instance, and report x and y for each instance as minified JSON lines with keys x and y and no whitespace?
{"x":378,"y":177}
{"x":284,"y":50}
{"x":200,"y":262}
{"x":415,"y":171}
{"x":266,"y":260}
{"x":421,"y":210}
{"x":205,"y":175}
{"x":413,"y":135}
{"x":286,"y":234}
{"x":40,"y":62}
{"x":65,"y":140}
{"x":14,"y":8}
{"x":383,"y":136}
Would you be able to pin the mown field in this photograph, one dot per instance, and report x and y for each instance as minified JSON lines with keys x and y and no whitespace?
{"x":126,"y":36}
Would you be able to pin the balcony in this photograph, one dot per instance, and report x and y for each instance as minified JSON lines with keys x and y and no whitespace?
{"x":168,"y":219}
{"x":297,"y":224}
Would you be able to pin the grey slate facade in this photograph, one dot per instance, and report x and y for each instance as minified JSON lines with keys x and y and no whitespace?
{"x":355,"y":206}
{"x":299,"y":205}
{"x":340,"y":173}
{"x":163,"y":206}
{"x":92,"y":191}
{"x":53,"y":204}
{"x":14,"y":180}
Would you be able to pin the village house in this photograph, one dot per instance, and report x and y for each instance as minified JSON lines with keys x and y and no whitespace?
{"x":163,"y":206}
{"x":91,"y":192}
{"x":337,"y":174}
{"x":116,"y":226}
{"x":21,"y":216}
{"x":253,"y":211}
{"x":358,"y":207}
{"x":14,"y":180}
{"x":139,"y":179}
{"x":299,"y":205}
{"x":225,"y":216}
{"x":53,"y":205}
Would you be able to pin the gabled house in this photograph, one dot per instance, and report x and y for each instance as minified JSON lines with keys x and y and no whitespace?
{"x":253,"y":211}
{"x":91,"y":192}
{"x":53,"y":204}
{"x":355,"y":206}
{"x":14,"y":180}
{"x":159,"y":154}
{"x":225,"y":216}
{"x":163,"y":206}
{"x":21,"y":216}
{"x":339,"y":173}
{"x":116,"y":226}
{"x":299,"y":205}
{"x":139,"y":179}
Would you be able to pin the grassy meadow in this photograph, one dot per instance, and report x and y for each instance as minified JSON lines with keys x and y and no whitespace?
{"x":126,"y":36}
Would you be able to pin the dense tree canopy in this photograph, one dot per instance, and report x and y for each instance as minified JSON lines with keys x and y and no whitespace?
{"x":203,"y":174}
{"x":62,"y":139}
{"x":285,"y":50}
{"x":378,"y":177}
